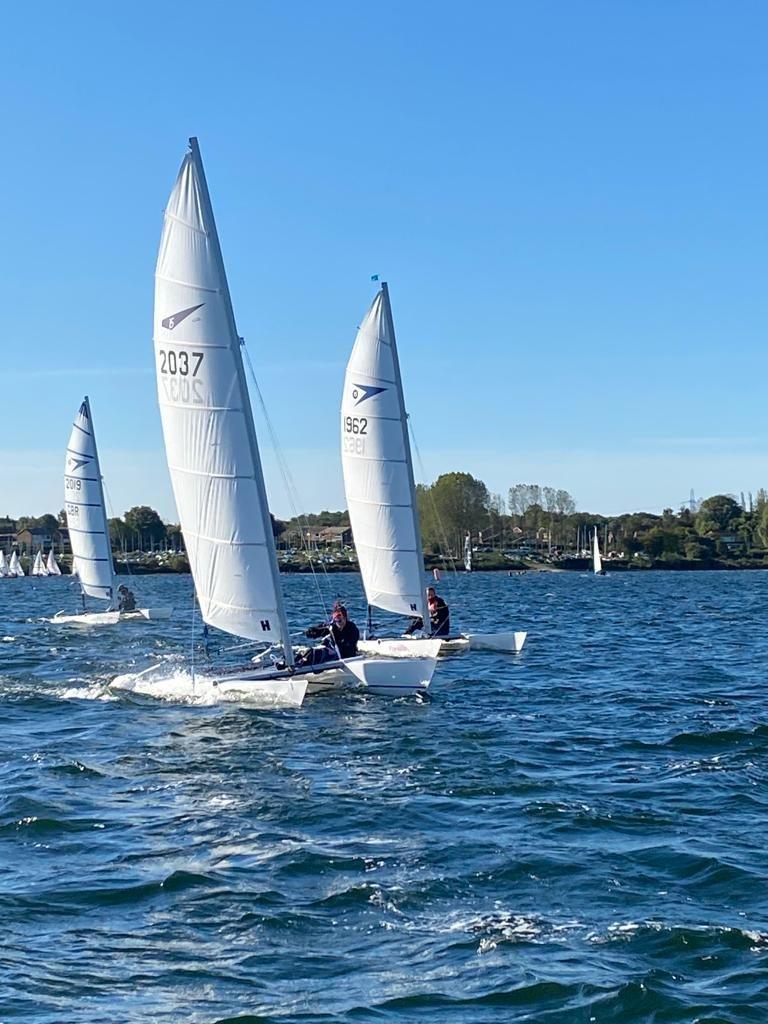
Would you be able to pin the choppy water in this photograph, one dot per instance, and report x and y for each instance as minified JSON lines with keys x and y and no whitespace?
{"x":575,"y":834}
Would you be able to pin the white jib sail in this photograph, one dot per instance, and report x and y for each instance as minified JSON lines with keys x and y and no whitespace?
{"x":52,"y":565}
{"x":86,"y":512}
{"x":210,"y":441}
{"x":597,"y":562}
{"x":15,"y":568}
{"x":378,"y":473}
{"x":38,"y":566}
{"x":3,"y":564}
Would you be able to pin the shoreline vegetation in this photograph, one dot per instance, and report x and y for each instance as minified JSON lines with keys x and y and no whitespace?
{"x":535,"y":529}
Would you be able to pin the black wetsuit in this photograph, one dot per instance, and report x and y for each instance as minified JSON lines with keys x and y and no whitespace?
{"x":439,"y":620}
{"x":126,"y":602}
{"x":345,"y":640}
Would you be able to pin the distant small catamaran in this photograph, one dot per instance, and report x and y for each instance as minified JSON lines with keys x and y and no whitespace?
{"x":89,"y":530}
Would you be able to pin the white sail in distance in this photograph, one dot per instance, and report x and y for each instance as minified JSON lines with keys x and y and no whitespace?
{"x":597,"y":562}
{"x":210,"y":441}
{"x":38,"y":566}
{"x":468,"y":553}
{"x":3,"y":564}
{"x":86,"y":511}
{"x":52,"y":565}
{"x":378,"y":471}
{"x":15,"y":569}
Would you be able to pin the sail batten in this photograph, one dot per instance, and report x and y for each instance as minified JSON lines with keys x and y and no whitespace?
{"x":210,"y":441}
{"x":378,"y":473}
{"x":85,"y":507}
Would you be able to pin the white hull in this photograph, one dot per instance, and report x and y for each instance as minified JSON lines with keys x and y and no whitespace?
{"x":111,"y":618}
{"x":244,"y":687}
{"x":407,"y":647}
{"x":509,"y":643}
{"x":402,"y":647}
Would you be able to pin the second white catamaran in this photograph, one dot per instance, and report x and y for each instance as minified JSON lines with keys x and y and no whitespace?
{"x":381,"y":494}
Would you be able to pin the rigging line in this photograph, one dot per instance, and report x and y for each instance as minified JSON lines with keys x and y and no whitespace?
{"x":290,"y":487}
{"x":441,"y":528}
{"x":111,"y":505}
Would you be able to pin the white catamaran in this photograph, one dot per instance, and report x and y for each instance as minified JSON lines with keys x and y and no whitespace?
{"x":89,"y":530}
{"x":215,"y":465}
{"x":381,"y":495}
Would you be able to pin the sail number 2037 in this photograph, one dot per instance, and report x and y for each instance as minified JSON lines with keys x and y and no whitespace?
{"x":178,"y":368}
{"x":180,"y":362}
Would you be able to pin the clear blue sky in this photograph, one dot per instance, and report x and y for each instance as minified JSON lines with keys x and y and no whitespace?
{"x":569,"y":201}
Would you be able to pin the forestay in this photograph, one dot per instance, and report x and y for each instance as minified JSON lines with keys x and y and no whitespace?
{"x":210,"y":440}
{"x":378,"y":473}
{"x":86,"y":513}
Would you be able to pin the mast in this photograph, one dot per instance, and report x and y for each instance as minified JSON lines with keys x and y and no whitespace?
{"x":408,"y":459}
{"x":249,"y":426}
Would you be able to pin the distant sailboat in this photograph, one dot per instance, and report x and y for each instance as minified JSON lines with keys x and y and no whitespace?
{"x":3,"y":564}
{"x":14,"y":568}
{"x":52,"y":565}
{"x":597,"y":562}
{"x":38,"y":566}
{"x":381,"y":494}
{"x":468,"y":553}
{"x":89,"y":530}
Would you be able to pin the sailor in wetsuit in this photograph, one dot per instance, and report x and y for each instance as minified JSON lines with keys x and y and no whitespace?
{"x":340,"y":639}
{"x":126,"y":602}
{"x":439,"y":617}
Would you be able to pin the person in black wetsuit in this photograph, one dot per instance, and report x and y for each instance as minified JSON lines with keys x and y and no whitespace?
{"x":126,"y":602}
{"x":439,"y":616}
{"x":340,"y":639}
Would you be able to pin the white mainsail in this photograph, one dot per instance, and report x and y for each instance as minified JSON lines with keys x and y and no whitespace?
{"x":468,"y":553}
{"x":597,"y":562}
{"x":378,"y":472}
{"x":15,"y":569}
{"x":38,"y":566}
{"x":3,"y":564}
{"x":210,"y":441}
{"x":52,"y":565}
{"x":85,"y":509}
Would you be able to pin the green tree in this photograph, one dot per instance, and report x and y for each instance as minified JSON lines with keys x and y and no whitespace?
{"x":717,"y":514}
{"x":455,"y":503}
{"x":145,"y":522}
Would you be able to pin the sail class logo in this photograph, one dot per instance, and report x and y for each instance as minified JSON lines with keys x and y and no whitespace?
{"x":173,"y":321}
{"x":77,"y":463}
{"x":368,"y":391}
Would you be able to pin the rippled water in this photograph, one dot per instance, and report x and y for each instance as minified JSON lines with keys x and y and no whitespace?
{"x":574,"y":834}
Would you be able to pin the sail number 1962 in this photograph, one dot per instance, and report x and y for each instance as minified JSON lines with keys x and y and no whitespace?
{"x":355,"y":425}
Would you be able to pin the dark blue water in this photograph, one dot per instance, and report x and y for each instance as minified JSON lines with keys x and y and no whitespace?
{"x":575,"y":834}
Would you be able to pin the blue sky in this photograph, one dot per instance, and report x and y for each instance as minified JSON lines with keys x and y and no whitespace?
{"x":568,"y":201}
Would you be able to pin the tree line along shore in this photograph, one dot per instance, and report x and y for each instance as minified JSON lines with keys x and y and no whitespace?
{"x":532,"y":528}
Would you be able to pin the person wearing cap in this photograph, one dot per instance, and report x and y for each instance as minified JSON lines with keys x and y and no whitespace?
{"x":126,"y":602}
{"x":340,"y":638}
{"x":439,"y":616}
